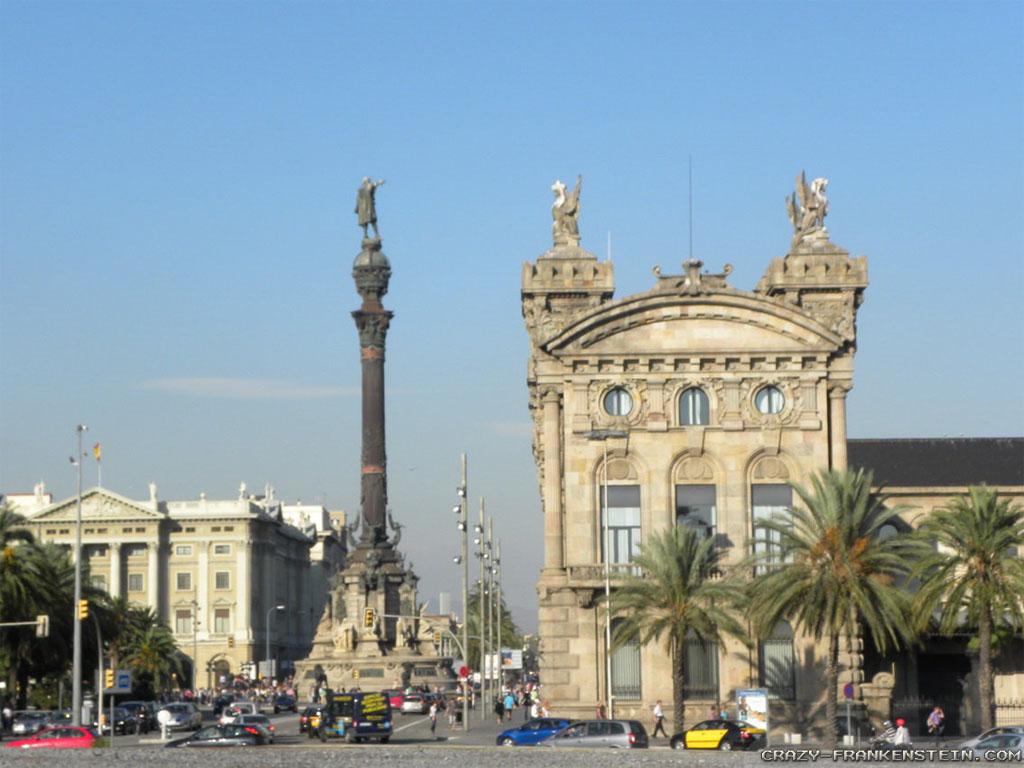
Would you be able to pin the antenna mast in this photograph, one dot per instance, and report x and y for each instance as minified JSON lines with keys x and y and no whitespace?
{"x":690,"y":180}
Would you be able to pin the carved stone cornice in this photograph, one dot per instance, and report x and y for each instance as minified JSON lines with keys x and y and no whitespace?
{"x":372,"y":327}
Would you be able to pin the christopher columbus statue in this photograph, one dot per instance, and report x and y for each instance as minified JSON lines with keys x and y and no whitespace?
{"x":366,"y":208}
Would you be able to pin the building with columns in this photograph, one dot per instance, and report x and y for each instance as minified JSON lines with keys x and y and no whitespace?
{"x":215,"y":570}
{"x":693,"y":403}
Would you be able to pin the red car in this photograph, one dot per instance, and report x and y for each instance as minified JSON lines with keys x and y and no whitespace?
{"x":63,"y":736}
{"x":395,"y":698}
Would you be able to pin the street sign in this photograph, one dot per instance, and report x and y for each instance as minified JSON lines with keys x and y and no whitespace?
{"x":463,"y":671}
{"x":122,"y":682}
{"x":848,"y":690}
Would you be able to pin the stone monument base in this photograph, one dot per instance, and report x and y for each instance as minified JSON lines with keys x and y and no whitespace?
{"x":395,"y":671}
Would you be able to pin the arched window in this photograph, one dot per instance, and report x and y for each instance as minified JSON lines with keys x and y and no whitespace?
{"x":777,"y":671}
{"x":618,"y":402}
{"x":623,"y":522}
{"x":700,"y":667}
{"x":626,"y":667}
{"x":693,"y":408}
{"x":768,"y":502}
{"x":769,"y":400}
{"x":695,"y":506}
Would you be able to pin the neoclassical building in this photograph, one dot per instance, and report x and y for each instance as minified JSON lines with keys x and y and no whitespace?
{"x":215,"y":570}
{"x":695,"y":403}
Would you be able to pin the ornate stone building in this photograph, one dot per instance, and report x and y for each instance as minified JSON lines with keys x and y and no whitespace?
{"x":695,"y":402}
{"x":213,"y":569}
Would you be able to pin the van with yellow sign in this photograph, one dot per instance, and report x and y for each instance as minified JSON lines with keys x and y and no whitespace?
{"x":359,"y":716}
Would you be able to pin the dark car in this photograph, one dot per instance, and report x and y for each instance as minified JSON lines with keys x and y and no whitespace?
{"x":231,"y":735}
{"x":144,"y":714}
{"x":620,"y":734}
{"x":284,"y":703}
{"x":28,"y":722}
{"x":531,"y":732}
{"x":718,"y":734}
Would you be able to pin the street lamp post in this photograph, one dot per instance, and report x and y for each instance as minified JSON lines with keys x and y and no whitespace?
{"x":604,"y":435}
{"x":489,"y":575}
{"x":497,"y":579}
{"x":463,"y":559}
{"x":76,"y":658}
{"x":479,"y":542}
{"x":267,"y":625}
{"x":195,"y":643}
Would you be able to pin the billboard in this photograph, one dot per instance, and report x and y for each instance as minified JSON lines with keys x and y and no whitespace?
{"x":752,"y":706}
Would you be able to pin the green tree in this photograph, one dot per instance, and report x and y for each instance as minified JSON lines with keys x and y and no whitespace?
{"x":824,"y":568}
{"x":510,"y":635}
{"x":154,"y":655}
{"x":679,"y":592}
{"x":974,"y":576}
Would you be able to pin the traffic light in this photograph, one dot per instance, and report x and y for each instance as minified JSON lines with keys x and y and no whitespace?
{"x":368,"y":618}
{"x":437,"y":637}
{"x":83,"y":609}
{"x":43,"y":625}
{"x":108,"y":678}
{"x":231,"y":641}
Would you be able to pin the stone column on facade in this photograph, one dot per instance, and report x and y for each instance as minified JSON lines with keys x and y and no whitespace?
{"x":553,"y":552}
{"x":115,"y":569}
{"x":153,"y":578}
{"x":203,"y":592}
{"x":837,"y":423}
{"x":242,"y":571}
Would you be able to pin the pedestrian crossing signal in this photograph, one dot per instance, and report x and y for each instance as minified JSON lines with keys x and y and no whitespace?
{"x":368,"y":618}
{"x":83,"y":609}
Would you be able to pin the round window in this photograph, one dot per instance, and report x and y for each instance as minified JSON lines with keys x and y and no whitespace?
{"x":618,"y":402}
{"x":769,"y":400}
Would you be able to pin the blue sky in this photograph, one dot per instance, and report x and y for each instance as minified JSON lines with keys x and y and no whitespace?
{"x":176,"y":228}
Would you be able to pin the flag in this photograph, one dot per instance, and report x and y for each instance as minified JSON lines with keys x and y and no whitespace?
{"x":97,"y":451}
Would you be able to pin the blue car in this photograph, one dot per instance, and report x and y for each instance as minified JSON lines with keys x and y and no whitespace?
{"x":531,"y":732}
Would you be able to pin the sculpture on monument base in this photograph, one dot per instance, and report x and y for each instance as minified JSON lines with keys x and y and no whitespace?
{"x":366,"y":206}
{"x":807,"y":208}
{"x":565,"y":212}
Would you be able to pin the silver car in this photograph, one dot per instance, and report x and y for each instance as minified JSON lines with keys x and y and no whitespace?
{"x":28,"y":722}
{"x":1003,"y":746}
{"x":999,"y":731}
{"x":181,"y":715}
{"x":618,"y":734}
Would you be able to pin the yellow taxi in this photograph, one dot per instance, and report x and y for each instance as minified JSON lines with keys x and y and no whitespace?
{"x":718,"y":734}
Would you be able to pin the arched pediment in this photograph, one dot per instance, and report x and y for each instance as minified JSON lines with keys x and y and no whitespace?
{"x":727,"y":321}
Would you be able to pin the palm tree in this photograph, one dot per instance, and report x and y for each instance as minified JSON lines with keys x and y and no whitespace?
{"x":824,"y":568}
{"x":678,"y":593}
{"x":510,"y":636}
{"x":975,"y":575}
{"x":11,"y":529}
{"x":155,"y":654}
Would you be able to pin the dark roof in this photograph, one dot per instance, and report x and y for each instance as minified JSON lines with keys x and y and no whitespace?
{"x":941,"y":461}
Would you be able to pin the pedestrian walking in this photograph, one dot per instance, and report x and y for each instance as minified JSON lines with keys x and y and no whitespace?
{"x":433,"y":718}
{"x":509,"y":703}
{"x":659,"y":720}
{"x":936,"y":724}
{"x":451,"y":708}
{"x":499,"y":709}
{"x":600,"y":713}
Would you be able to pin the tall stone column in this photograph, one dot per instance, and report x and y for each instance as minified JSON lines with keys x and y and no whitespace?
{"x":553,"y":550}
{"x":837,"y":423}
{"x":242,"y":578}
{"x":153,"y":578}
{"x":203,"y":591}
{"x":371,"y":272}
{"x":115,"y":569}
